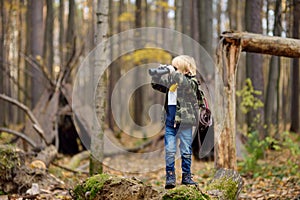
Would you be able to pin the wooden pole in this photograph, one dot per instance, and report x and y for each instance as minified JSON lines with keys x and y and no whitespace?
{"x":225,"y":148}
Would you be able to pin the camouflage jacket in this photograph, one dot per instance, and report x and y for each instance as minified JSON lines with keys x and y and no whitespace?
{"x":187,"y":102}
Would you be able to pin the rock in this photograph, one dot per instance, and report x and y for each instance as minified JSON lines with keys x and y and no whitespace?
{"x":34,"y":190}
{"x":104,"y":186}
{"x":17,"y":177}
{"x":226,"y":184}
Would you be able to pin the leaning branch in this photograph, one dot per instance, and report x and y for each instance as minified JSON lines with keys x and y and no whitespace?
{"x":36,"y":124}
{"x":257,"y":43}
{"x":21,"y":135}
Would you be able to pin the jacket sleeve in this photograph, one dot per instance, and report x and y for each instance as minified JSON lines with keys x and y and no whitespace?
{"x":184,"y":82}
{"x":160,"y":83}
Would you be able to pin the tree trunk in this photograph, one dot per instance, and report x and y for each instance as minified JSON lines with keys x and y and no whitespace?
{"x":255,"y":118}
{"x":205,"y":25}
{"x":295,"y":116}
{"x":21,"y":61}
{"x":272,"y":103}
{"x":225,"y":155}
{"x":139,"y":94}
{"x":2,"y":61}
{"x":35,"y":28}
{"x":61,"y":31}
{"x":71,"y":33}
{"x":97,"y":143}
{"x":225,"y":137}
{"x":178,"y":14}
{"x":48,"y":50}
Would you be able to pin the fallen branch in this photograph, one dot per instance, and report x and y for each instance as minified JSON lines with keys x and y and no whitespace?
{"x":75,"y":160}
{"x":70,"y":170}
{"x":44,"y":158}
{"x":36,"y":125}
{"x":257,"y":43}
{"x":21,"y":135}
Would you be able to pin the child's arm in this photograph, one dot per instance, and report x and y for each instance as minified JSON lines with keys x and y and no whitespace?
{"x":185,"y":83}
{"x":160,"y":83}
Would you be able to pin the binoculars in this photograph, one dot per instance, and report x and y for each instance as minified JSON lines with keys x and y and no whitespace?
{"x":159,"y":71}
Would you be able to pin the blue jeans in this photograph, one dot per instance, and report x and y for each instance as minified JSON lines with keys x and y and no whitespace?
{"x":185,"y":136}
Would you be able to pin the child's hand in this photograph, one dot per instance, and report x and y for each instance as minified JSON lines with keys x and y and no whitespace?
{"x":171,"y":68}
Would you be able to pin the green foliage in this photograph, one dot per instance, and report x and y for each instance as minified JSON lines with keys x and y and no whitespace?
{"x":289,"y":143}
{"x":226,"y":185}
{"x":93,"y":185}
{"x":185,"y":193}
{"x":256,"y":149}
{"x":249,"y":99}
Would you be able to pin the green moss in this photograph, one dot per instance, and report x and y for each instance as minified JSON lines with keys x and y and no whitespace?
{"x":226,"y":185}
{"x":9,"y":159}
{"x":92,"y":185}
{"x":185,"y":193}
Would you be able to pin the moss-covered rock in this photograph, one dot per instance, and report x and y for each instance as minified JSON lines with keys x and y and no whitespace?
{"x":226,"y":185}
{"x":104,"y":186}
{"x":16,"y":176}
{"x":10,"y":161}
{"x":183,"y":192}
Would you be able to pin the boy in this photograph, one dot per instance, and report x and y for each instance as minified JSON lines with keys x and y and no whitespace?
{"x":180,"y":87}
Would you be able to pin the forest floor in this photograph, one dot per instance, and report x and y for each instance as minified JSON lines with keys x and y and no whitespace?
{"x":276,"y":176}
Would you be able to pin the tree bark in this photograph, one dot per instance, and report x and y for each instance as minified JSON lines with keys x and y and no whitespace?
{"x":48,"y":50}
{"x":205,"y":25}
{"x":61,"y":31}
{"x":44,"y":158}
{"x":139,"y":93}
{"x":71,"y":35}
{"x":295,"y":116}
{"x":272,"y":103}
{"x":35,"y":42}
{"x":2,"y":61}
{"x":255,"y":117}
{"x":233,"y":42}
{"x":225,"y":137}
{"x":97,"y":144}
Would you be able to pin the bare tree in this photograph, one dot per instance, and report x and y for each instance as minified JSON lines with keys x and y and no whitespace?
{"x":295,"y":118}
{"x":205,"y":25}
{"x":138,"y":96}
{"x":97,"y":142}
{"x":48,"y":49}
{"x":2,"y":60}
{"x":272,"y":88}
{"x":254,"y":63}
{"x":35,"y":46}
{"x":61,"y":30}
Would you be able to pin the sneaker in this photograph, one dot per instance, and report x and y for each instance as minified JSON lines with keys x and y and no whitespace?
{"x":170,"y":180}
{"x":187,"y":179}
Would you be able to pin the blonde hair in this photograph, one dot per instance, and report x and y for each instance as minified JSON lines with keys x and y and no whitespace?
{"x":185,"y":63}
